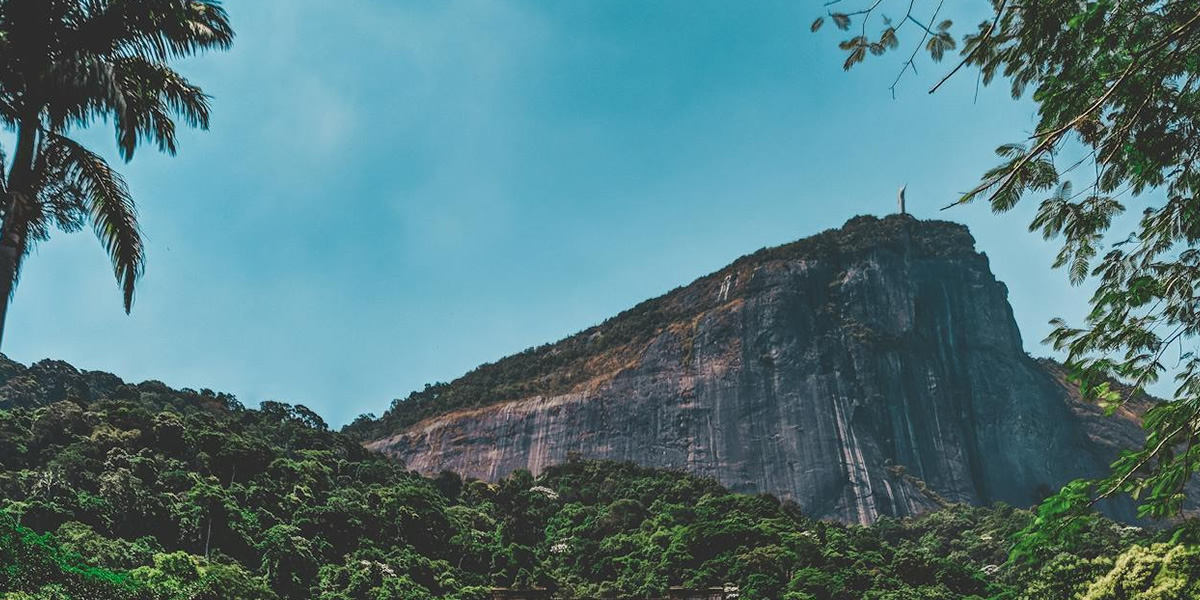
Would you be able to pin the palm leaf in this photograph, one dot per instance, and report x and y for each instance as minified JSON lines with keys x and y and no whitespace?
{"x":158,"y":29}
{"x":153,"y":95}
{"x":58,"y":194}
{"x":144,"y":98}
{"x":110,"y":207}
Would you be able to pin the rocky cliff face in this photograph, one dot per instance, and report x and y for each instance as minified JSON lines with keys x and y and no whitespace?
{"x":868,"y":371}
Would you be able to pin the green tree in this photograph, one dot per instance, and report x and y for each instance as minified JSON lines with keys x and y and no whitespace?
{"x":119,"y":505}
{"x":289,"y":562}
{"x":1117,"y":86}
{"x":1156,"y":572}
{"x":65,"y":64}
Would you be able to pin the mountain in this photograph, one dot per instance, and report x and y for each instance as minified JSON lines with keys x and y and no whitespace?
{"x":868,"y":371}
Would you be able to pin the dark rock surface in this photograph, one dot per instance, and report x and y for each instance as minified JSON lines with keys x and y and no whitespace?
{"x":868,"y":371}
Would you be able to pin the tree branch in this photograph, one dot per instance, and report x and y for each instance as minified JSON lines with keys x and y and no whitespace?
{"x":966,"y":59}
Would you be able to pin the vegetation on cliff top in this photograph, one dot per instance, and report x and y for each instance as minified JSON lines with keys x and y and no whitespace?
{"x":111,"y":491}
{"x":601,"y":350}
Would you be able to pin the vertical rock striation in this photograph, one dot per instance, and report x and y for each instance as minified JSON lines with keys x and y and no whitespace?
{"x":868,"y":371}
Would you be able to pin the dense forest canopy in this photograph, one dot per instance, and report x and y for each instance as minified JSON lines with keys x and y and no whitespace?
{"x":111,"y":490}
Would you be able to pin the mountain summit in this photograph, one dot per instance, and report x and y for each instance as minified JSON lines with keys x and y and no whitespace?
{"x":872,"y":370}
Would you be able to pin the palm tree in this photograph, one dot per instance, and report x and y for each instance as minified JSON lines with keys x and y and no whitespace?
{"x":66,"y":64}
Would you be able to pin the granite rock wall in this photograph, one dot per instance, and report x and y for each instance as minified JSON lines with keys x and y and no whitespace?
{"x":877,"y":372}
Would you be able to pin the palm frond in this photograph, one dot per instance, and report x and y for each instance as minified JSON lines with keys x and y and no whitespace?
{"x":21,"y":220}
{"x":66,"y":64}
{"x":3,"y":169}
{"x":153,"y":96}
{"x":106,"y":198}
{"x":143,"y":97}
{"x":81,"y":89}
{"x":158,"y":29}
{"x":58,"y":193}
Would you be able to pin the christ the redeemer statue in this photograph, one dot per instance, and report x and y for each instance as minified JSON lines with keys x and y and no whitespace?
{"x":900,"y":200}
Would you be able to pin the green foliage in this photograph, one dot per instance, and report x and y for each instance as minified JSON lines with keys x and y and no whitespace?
{"x":140,"y":492}
{"x":1117,"y":85}
{"x":32,"y":566}
{"x":1155,"y":572}
{"x":67,"y":64}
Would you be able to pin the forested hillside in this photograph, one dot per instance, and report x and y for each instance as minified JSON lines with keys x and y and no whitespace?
{"x":139,"y":491}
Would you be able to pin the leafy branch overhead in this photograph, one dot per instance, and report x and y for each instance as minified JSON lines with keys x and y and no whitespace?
{"x":935,"y":39}
{"x":1117,"y":86}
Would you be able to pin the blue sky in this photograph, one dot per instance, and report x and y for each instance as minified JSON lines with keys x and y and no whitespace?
{"x":393,"y":192}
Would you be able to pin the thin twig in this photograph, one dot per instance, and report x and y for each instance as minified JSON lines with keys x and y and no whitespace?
{"x":1153,"y":453}
{"x":966,"y":59}
{"x":1050,"y":138}
{"x":911,"y":62}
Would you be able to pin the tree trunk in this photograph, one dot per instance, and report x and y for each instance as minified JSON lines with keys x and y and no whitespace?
{"x":7,"y":272}
{"x":14,"y":227}
{"x":208,"y":536}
